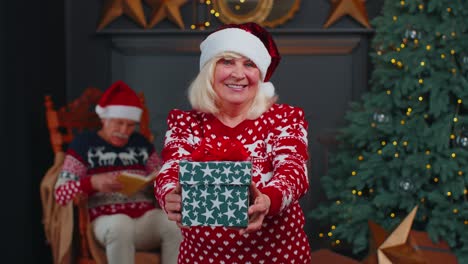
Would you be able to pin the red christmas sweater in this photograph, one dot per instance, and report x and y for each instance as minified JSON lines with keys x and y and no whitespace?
{"x":89,"y":154}
{"x":277,"y":144}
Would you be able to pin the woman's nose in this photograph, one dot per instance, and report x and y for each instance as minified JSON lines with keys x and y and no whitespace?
{"x":238,"y":72}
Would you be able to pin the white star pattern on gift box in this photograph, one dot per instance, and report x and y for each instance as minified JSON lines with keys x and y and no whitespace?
{"x":218,"y":195}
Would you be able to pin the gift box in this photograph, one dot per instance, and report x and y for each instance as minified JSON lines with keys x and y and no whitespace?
{"x":215,"y":193}
{"x":429,"y":251}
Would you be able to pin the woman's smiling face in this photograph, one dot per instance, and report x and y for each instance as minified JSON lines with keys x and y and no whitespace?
{"x":236,"y":81}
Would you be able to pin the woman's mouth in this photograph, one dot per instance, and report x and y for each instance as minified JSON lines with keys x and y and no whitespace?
{"x":236,"y":87}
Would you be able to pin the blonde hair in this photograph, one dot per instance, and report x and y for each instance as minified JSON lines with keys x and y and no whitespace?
{"x":203,"y":97}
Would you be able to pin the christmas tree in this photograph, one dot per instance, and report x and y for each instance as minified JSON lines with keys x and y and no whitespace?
{"x":406,"y":142}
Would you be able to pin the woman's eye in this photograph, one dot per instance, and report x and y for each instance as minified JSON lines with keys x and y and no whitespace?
{"x":226,"y":62}
{"x":250,"y":64}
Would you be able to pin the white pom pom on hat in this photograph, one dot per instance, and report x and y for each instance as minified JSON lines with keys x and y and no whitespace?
{"x":119,"y":101}
{"x":250,"y":40}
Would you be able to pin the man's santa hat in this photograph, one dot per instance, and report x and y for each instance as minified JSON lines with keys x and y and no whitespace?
{"x":250,"y":40}
{"x":119,"y":101}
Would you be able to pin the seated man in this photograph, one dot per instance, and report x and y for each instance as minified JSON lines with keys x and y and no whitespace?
{"x":120,"y":223}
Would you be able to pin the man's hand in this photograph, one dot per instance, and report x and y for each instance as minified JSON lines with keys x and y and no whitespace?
{"x":105,"y":182}
{"x":173,"y":205}
{"x":257,"y":211}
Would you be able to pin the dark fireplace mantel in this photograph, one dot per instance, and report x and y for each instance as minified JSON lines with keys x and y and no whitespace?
{"x":290,"y":42}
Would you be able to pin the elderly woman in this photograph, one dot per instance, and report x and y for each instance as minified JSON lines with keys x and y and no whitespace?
{"x":232,"y":99}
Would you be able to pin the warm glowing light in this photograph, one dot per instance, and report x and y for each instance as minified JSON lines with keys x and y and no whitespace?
{"x":460,"y":173}
{"x":453,"y":155}
{"x":452,"y":136}
{"x":389,"y":92}
{"x":320,"y":234}
{"x":442,"y":56}
{"x":405,"y":143}
{"x":449,"y":193}
{"x":193,"y":27}
{"x":436,"y":179}
{"x":207,"y":23}
{"x":392,"y":215}
{"x":455,"y":211}
{"x":459,"y":101}
{"x":423,"y":63}
{"x":379,"y":152}
{"x":452,"y":52}
{"x":330,"y":234}
{"x":421,"y":81}
{"x":428,"y":166}
{"x":402,"y":122}
{"x":338,"y":202}
{"x":428,"y":152}
{"x":393,"y":61}
{"x":383,"y":143}
{"x":333,"y":227}
{"x":455,"y":119}
{"x":360,"y":157}
{"x":395,"y":18}
{"x":428,"y":47}
{"x":397,"y":155}
{"x":420,"y":98}
{"x":353,"y":173}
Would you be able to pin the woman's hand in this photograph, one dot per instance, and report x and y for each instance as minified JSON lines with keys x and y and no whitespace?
{"x":105,"y":182}
{"x":173,"y":205}
{"x":257,"y":211}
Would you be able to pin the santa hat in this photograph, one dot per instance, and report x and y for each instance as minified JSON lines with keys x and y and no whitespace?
{"x":250,"y":40}
{"x":119,"y":101}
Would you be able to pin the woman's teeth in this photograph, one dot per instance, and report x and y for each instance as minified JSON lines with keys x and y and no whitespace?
{"x":235,"y":86}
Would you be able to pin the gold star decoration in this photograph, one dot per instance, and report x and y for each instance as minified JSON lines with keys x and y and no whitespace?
{"x":166,"y":8}
{"x":113,"y":9}
{"x":393,"y":248}
{"x":354,"y":8}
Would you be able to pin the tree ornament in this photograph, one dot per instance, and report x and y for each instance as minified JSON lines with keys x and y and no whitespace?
{"x":113,"y":9}
{"x":406,"y":185}
{"x":355,"y":8}
{"x":412,"y":34}
{"x":380,"y":117}
{"x":462,"y":139}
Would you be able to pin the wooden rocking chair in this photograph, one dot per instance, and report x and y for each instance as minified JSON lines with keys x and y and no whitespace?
{"x":63,"y":125}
